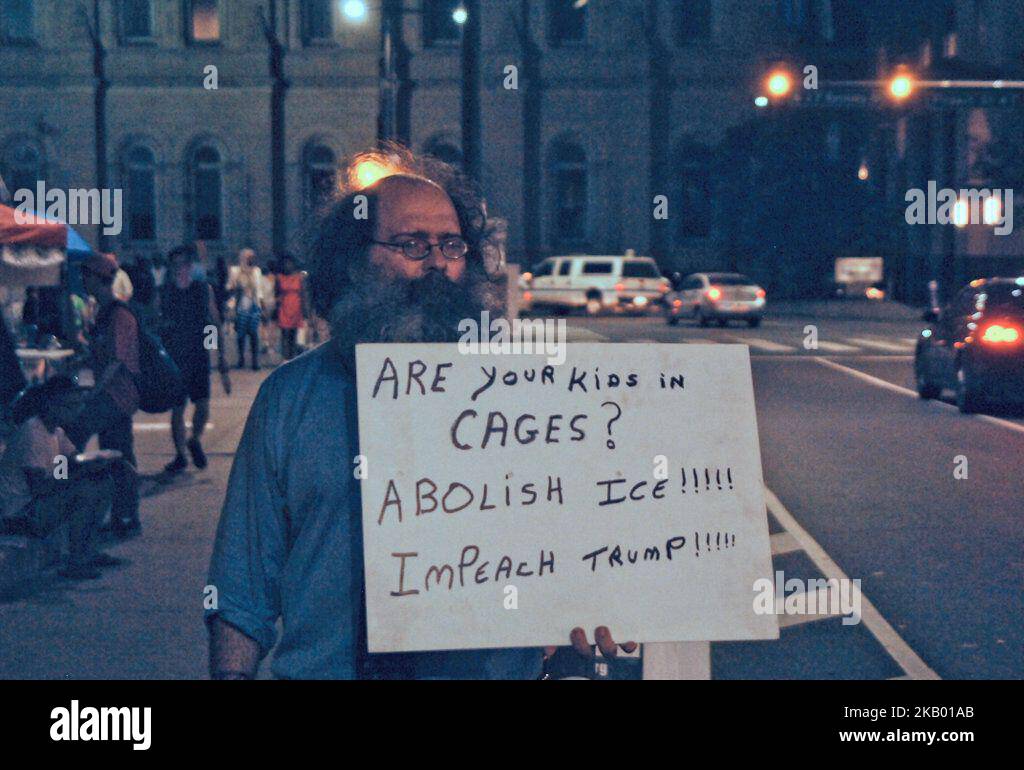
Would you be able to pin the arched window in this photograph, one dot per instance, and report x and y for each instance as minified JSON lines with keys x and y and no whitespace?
{"x":207,"y":194}
{"x":319,"y":176}
{"x":140,"y":181}
{"x":568,"y":174}
{"x":693,"y":184}
{"x":21,"y":166}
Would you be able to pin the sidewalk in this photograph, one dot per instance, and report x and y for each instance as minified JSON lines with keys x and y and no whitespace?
{"x":143,"y":620}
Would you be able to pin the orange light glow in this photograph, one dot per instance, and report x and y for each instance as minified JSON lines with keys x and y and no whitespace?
{"x":527,"y":276}
{"x":677,"y":303}
{"x":779,"y":83}
{"x":901,"y":86}
{"x":761,"y":293}
{"x":714,"y":294}
{"x":527,"y":296}
{"x":874,"y":293}
{"x":997,"y":333}
{"x":620,"y":287}
{"x":368,"y":172}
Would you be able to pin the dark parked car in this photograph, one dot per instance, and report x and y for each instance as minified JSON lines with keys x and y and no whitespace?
{"x":975,"y":346}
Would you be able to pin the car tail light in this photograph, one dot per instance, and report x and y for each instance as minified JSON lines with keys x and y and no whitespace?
{"x":761,"y":293}
{"x":1000,"y":334}
{"x":620,"y":287}
{"x":528,"y":296}
{"x":677,"y":303}
{"x":714,"y":294}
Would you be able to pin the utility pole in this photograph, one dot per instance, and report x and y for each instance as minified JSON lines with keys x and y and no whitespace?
{"x":278,"y":92}
{"x":532,"y":90}
{"x":471,"y":149}
{"x":659,"y":108}
{"x":99,"y":71}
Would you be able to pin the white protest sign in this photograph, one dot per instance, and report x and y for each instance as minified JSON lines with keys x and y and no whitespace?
{"x":508,"y":500}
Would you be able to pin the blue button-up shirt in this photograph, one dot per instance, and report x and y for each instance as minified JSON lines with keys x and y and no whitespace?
{"x":289,"y":542}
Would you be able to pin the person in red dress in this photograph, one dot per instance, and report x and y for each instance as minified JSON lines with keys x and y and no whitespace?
{"x":291,"y":304}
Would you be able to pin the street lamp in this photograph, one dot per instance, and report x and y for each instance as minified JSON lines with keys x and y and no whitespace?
{"x":901,"y":86}
{"x":779,"y":83}
{"x":356,"y":12}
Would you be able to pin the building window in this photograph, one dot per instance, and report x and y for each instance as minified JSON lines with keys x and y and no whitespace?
{"x":692,"y":21}
{"x":136,"y":20}
{"x":317,"y":21}
{"x":319,"y":175}
{"x":566,"y":23}
{"x":207,"y":203}
{"x":203,"y":21}
{"x":439,"y":25}
{"x":21,"y":166}
{"x":693,"y":180}
{"x":140,"y":179}
{"x":17,"y":21}
{"x":568,"y":168}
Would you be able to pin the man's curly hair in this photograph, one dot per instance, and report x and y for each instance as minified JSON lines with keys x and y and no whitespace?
{"x":339,"y":242}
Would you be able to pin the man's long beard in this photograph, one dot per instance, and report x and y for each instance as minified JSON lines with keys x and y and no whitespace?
{"x":376,"y":308}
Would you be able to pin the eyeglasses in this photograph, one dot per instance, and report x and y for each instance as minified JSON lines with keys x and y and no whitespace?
{"x":418,"y":248}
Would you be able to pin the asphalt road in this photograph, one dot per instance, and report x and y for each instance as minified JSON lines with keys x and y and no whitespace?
{"x":866,"y":469}
{"x":861,"y":476}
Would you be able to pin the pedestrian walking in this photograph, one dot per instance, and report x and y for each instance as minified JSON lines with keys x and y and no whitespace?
{"x":114,"y":345}
{"x":245,"y":287}
{"x":190,"y":326}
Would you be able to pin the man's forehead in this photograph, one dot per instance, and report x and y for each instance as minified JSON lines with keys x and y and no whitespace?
{"x":413,"y":203}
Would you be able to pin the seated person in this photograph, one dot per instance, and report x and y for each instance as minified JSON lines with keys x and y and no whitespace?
{"x":41,"y":484}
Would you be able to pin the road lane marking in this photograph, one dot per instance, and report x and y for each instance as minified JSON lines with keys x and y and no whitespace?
{"x":582,"y":334}
{"x":886,"y":635}
{"x":836,"y":347}
{"x":770,"y":347}
{"x":879,"y":382}
{"x":820,"y":599}
{"x":895,"y":347}
{"x":144,"y":427}
{"x":783,"y":543}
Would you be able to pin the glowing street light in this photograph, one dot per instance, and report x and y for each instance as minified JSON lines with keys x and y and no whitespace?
{"x":760,"y":101}
{"x":862,"y":172}
{"x":354,"y":10}
{"x":900,"y":87}
{"x":460,"y":15}
{"x":779,"y":83}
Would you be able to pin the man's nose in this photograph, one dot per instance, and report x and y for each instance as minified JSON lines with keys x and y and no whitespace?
{"x":435,"y":260}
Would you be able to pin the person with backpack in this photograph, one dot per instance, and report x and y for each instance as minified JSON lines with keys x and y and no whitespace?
{"x":189,"y":318}
{"x":114,"y":345}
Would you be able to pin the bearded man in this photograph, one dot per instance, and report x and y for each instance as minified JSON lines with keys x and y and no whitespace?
{"x":403,"y":264}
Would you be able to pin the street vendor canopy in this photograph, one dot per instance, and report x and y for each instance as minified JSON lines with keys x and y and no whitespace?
{"x":33,"y":248}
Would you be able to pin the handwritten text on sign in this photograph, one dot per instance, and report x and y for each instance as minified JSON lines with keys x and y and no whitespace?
{"x":622,"y":487}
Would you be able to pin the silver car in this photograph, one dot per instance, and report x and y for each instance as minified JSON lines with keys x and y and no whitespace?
{"x":719,"y":297}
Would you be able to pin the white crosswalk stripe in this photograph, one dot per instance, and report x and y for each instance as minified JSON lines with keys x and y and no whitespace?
{"x":895,"y":347}
{"x":770,"y":347}
{"x":836,"y":347}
